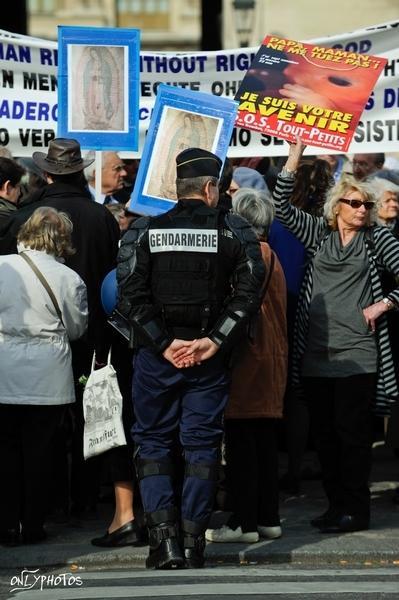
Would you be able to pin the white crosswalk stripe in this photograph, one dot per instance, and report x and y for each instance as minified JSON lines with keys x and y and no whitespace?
{"x":240,"y":582}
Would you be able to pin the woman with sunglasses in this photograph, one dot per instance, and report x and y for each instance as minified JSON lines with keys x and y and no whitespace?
{"x":342,"y":355}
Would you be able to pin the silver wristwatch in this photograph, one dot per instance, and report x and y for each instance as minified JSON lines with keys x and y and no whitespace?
{"x":388,"y":302}
{"x":286,"y":173}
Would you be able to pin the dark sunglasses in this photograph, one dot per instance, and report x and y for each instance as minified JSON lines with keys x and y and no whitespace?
{"x":358,"y":203}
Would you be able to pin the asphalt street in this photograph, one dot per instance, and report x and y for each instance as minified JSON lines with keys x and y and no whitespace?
{"x":303,"y":563}
{"x":211,"y":583}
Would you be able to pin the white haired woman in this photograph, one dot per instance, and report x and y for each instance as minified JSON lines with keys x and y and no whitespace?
{"x":256,"y":397}
{"x":36,"y":381}
{"x":387,"y":204}
{"x":341,"y":343}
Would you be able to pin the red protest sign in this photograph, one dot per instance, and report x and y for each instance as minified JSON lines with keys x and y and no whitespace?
{"x":295,"y":89}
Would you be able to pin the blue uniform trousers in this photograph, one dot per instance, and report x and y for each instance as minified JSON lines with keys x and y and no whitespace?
{"x":189,"y":403}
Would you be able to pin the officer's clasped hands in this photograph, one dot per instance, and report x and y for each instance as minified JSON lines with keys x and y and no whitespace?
{"x":194,"y":352}
{"x":176,"y":347}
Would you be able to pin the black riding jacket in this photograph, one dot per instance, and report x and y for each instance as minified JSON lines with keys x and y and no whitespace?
{"x":194,"y":271}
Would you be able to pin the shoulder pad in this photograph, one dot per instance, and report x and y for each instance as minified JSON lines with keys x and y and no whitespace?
{"x":136,"y":230}
{"x":240,"y":227}
{"x":130,"y":240}
{"x":236,"y":221}
{"x":140,"y":224}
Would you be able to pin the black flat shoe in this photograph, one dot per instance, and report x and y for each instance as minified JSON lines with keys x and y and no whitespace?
{"x":346,"y":524}
{"x":130,"y":534}
{"x":329,"y":517}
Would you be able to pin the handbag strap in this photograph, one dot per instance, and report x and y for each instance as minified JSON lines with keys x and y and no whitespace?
{"x":93,"y":362}
{"x":44,"y":282}
{"x":269,"y":275}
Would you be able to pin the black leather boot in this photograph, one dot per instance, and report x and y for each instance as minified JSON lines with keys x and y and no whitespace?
{"x":165,"y":550}
{"x":194,"y":544}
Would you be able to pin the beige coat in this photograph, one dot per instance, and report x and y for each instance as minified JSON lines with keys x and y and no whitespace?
{"x":35,"y":355}
{"x":259,"y":376}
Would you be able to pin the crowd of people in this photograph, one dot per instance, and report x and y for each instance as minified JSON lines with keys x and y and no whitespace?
{"x":268,"y":295}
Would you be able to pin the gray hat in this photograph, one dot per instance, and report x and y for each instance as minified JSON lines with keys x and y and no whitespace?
{"x":63,"y":157}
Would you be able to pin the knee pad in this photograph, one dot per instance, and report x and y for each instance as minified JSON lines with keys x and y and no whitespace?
{"x":150,"y":467}
{"x":205,"y":471}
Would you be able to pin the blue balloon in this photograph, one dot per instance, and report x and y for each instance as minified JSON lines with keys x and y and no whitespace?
{"x":109,"y":292}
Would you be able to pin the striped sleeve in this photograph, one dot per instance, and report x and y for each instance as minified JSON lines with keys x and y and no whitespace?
{"x":387,"y":248}
{"x":305,"y":227}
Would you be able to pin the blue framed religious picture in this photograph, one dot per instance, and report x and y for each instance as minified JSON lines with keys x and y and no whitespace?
{"x":98,"y":86}
{"x":181,"y":119}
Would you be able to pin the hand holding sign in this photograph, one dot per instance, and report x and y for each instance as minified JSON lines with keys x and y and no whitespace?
{"x":295,"y":153}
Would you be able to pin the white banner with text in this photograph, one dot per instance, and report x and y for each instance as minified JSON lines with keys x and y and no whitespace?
{"x":28,"y":83}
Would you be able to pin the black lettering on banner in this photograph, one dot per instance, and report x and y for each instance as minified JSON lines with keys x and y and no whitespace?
{"x":267,"y":140}
{"x":4,"y":137}
{"x":390,"y":68}
{"x":7,"y":78}
{"x":48,"y":135}
{"x":240,"y":137}
{"x":39,"y":81}
{"x":217,"y":88}
{"x":38,"y":137}
{"x":231,"y":87}
{"x":228,"y":88}
{"x":377,"y":131}
{"x":149,"y":89}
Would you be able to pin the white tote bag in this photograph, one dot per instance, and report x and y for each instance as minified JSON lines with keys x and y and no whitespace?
{"x":102,"y":410}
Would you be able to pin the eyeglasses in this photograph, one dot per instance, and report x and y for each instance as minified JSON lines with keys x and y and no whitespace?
{"x":358,"y":203}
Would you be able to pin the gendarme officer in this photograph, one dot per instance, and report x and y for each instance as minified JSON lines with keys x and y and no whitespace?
{"x":188,"y":282}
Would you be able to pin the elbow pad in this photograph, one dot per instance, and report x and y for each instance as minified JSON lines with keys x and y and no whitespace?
{"x":153,"y":330}
{"x":226,"y":326}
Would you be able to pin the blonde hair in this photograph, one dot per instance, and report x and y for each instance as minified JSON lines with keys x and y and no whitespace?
{"x":343,"y":187}
{"x":49,"y":230}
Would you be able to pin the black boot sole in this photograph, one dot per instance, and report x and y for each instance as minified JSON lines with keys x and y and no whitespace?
{"x":192,"y":563}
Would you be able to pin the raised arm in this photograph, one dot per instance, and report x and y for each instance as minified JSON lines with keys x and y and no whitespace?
{"x":305,"y":227}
